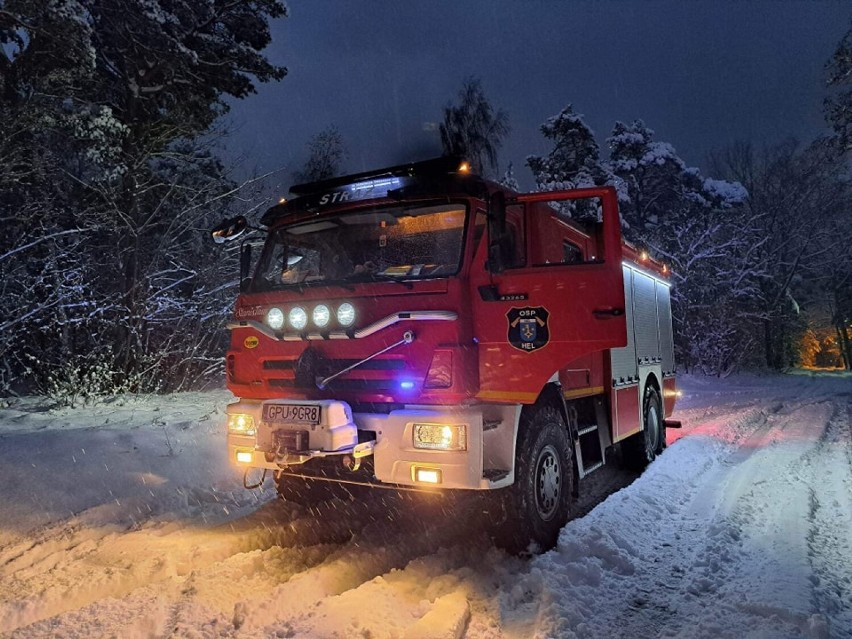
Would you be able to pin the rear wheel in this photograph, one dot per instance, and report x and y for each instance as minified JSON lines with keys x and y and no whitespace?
{"x":642,"y":448}
{"x":538,"y":503}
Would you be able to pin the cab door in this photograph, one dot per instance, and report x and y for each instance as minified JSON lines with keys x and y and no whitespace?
{"x":533,"y":317}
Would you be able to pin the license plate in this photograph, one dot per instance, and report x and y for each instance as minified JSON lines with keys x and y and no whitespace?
{"x":292,"y":413}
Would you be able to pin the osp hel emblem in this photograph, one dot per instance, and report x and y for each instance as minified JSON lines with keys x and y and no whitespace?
{"x":527,"y":330}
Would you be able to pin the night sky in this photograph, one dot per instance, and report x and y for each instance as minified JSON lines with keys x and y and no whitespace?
{"x":702,"y":74}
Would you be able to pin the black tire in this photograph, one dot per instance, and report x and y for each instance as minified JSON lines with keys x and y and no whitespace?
{"x":538,"y":504}
{"x":642,"y":448}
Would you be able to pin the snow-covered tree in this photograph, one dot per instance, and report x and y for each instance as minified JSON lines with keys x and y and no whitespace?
{"x":697,"y":226}
{"x":106,"y":111}
{"x":657,"y":184}
{"x":574,"y":161}
{"x":799,"y":198}
{"x":472,"y":129}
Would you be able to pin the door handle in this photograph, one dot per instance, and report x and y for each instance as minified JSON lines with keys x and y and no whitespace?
{"x":608,"y":313}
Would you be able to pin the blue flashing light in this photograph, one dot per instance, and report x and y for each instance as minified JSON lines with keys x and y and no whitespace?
{"x":375,"y":184}
{"x":406,"y":385}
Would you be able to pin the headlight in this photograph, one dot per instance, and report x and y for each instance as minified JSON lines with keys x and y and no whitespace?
{"x":346,"y":314}
{"x":321,"y":315}
{"x":241,"y":424}
{"x":298,"y":318}
{"x":440,"y":436}
{"x":275,"y":318}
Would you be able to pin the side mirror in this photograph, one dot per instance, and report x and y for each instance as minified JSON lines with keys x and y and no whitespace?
{"x":497,"y":232}
{"x":245,"y":265}
{"x":229,"y":229}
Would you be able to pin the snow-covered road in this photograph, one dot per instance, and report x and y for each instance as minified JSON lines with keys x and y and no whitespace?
{"x":123,"y":520}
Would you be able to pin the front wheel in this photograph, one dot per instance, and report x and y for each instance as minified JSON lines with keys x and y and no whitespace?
{"x":538,"y":503}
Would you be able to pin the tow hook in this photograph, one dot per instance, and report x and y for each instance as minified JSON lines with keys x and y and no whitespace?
{"x":353,"y":462}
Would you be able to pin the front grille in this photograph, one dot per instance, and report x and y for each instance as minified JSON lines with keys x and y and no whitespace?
{"x":376,"y":375}
{"x":339,"y":364}
{"x":341,"y":384}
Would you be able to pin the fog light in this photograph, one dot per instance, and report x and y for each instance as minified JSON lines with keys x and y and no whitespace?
{"x":346,"y":314}
{"x":244,"y":456}
{"x":298,"y":318}
{"x":427,"y":475}
{"x":275,"y":318}
{"x":440,"y":436}
{"x":241,"y":424}
{"x":321,"y":315}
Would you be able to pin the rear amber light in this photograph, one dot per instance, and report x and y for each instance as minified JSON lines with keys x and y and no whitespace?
{"x":440,"y":373}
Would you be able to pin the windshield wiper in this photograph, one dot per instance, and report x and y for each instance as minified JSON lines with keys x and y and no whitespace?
{"x":383,"y":277}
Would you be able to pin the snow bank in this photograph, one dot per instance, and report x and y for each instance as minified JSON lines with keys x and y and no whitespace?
{"x":124,"y":519}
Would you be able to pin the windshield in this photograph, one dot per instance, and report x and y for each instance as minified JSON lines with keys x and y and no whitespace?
{"x":401,"y":242}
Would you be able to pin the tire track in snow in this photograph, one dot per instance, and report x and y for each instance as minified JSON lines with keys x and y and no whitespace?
{"x":668,"y":570}
{"x":761,"y":525}
{"x":830,"y":537}
{"x":71,"y":566}
{"x":614,"y":571}
{"x":198,"y":604}
{"x":363,"y":542}
{"x":683,"y":572}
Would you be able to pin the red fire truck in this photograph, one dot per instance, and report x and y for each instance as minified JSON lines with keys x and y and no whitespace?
{"x":420,"y":327}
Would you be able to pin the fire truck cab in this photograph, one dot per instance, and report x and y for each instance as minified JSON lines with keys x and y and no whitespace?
{"x":419,"y":327}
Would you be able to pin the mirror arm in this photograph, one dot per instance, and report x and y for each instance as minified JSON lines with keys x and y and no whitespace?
{"x":245,"y":265}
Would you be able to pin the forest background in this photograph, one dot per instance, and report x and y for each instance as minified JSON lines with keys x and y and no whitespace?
{"x":111,"y":117}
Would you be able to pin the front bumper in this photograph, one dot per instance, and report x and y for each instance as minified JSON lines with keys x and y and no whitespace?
{"x":388,"y":439}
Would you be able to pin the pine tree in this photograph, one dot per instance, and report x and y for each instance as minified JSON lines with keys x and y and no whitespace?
{"x":657,"y":182}
{"x":573,"y":163}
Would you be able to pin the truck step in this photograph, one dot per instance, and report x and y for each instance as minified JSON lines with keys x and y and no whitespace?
{"x":673,"y":423}
{"x":495,"y":474}
{"x":592,"y":468}
{"x":590,"y":448}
